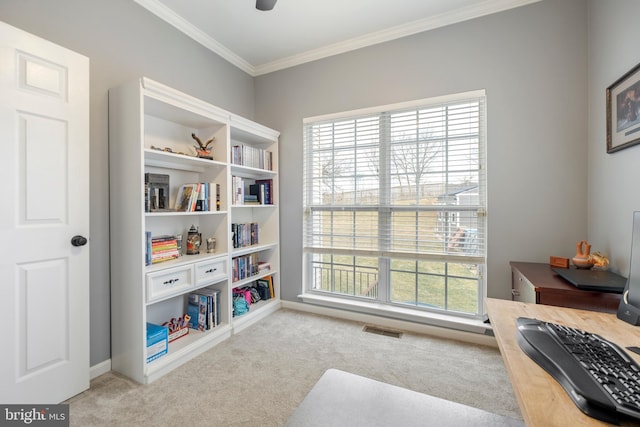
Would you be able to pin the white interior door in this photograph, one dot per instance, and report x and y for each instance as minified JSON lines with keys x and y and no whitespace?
{"x":44,"y":174}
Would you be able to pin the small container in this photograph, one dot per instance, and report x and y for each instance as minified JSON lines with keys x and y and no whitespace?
{"x":211,"y":245}
{"x":179,"y":243}
{"x":194,"y":240}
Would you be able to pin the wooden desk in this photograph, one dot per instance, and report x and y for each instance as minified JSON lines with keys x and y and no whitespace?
{"x":537,"y":283}
{"x":541,"y":398}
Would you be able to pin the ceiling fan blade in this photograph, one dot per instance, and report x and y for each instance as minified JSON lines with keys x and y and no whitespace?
{"x":265,"y":4}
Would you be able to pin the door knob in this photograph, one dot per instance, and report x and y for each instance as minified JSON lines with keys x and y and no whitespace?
{"x":78,"y":241}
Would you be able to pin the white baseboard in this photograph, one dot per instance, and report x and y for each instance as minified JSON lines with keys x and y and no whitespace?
{"x":420,"y":328}
{"x":99,"y":369}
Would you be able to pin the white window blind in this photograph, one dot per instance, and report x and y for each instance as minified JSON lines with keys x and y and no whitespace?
{"x":402,"y":181}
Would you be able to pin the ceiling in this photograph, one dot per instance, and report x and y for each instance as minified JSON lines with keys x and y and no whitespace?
{"x":299,"y":31}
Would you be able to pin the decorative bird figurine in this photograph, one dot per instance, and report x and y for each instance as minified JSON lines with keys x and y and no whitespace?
{"x":202,"y":149}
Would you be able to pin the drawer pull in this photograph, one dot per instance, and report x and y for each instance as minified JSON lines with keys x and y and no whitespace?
{"x":211,"y":270}
{"x":170,"y":281}
{"x":515,"y":292}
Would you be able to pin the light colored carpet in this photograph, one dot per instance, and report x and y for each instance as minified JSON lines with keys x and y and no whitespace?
{"x":259,"y":376}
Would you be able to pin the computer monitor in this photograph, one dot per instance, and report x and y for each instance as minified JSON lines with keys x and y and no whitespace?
{"x":629,"y":308}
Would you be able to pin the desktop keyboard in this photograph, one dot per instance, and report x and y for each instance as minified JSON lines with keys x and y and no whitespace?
{"x":601,"y":379}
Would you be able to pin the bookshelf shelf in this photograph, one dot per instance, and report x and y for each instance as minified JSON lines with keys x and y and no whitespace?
{"x":186,"y":348}
{"x":249,"y":172}
{"x":170,"y":160}
{"x":254,"y":248}
{"x":246,"y":281}
{"x":180,"y":213}
{"x":151,"y":128}
{"x":254,"y":206}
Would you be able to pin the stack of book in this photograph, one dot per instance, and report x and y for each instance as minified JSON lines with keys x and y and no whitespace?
{"x":246,"y":191}
{"x":244,"y":266}
{"x":161,"y":248}
{"x":203,"y":309}
{"x":251,"y":199}
{"x":263,"y":266}
{"x":262,"y":188}
{"x":237,"y":185}
{"x":253,"y":157}
{"x":196,"y":197}
{"x":243,"y":235}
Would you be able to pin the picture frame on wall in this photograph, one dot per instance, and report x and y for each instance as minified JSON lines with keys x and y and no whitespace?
{"x":623,"y":111}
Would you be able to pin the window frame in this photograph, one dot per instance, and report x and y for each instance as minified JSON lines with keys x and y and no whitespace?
{"x":386,"y":257}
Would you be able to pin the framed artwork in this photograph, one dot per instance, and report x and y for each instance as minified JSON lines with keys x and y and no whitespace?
{"x":623,"y":111}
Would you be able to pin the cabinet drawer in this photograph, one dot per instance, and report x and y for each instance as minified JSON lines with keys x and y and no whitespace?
{"x":522,"y":290}
{"x":165,"y":283}
{"x":207,"y":271}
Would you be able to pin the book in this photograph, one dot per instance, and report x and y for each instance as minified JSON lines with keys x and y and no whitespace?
{"x":244,"y":266}
{"x":217,"y":196}
{"x":212,"y":205}
{"x":194,"y":197}
{"x":193,"y":310}
{"x":184,"y":197}
{"x":213,"y":304}
{"x":147,"y":255}
{"x":162,"y":248}
{"x":147,"y":202}
{"x":255,"y":235}
{"x":258,"y":191}
{"x":156,"y":258}
{"x":206,"y":196}
{"x":234,"y":235}
{"x":162,"y":237}
{"x":202,"y":312}
{"x":237,"y":184}
{"x":200,"y":199}
{"x":253,"y":157}
{"x":268,"y":190}
{"x":217,"y":306}
{"x":250,"y":199}
{"x":243,"y":235}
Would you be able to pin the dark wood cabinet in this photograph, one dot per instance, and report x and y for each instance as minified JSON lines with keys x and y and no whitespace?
{"x":537,"y":283}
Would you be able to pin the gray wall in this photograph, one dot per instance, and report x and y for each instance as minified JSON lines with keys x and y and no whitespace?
{"x":124,"y":41}
{"x":531,"y":61}
{"x":613,"y":178}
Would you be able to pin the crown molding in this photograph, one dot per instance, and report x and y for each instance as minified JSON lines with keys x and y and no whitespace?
{"x":486,"y":8}
{"x":169,"y":16}
{"x":475,"y":11}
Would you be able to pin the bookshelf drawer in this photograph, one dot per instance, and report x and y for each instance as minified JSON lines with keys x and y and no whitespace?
{"x":166,"y":283}
{"x":206,"y":271}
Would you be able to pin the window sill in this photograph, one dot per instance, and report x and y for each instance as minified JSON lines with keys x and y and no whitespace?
{"x":442,"y":325}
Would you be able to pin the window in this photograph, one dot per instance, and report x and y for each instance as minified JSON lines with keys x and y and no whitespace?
{"x":395,"y":202}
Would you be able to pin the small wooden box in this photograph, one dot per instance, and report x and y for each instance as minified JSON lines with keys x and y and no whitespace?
{"x":178,"y":333}
{"x":559,"y":262}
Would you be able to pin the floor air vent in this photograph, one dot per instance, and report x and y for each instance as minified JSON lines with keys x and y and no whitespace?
{"x":382,"y":331}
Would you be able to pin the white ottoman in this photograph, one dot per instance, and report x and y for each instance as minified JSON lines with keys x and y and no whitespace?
{"x":343,"y":399}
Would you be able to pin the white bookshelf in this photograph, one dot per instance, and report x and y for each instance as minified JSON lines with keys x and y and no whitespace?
{"x":150,"y":127}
